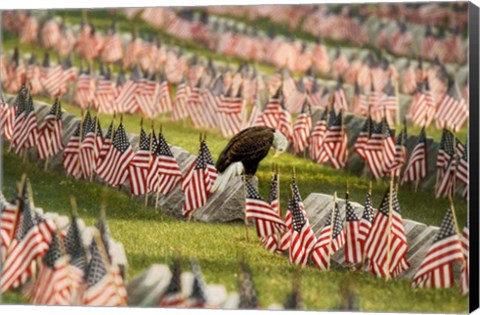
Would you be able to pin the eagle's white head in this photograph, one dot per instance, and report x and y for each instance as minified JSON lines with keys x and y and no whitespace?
{"x":280,"y":143}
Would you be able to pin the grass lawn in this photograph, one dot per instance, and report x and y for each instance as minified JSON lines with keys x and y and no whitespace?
{"x":150,"y":236}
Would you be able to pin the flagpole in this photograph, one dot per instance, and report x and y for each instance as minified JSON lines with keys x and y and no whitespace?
{"x":332,"y":225}
{"x":389,"y":236}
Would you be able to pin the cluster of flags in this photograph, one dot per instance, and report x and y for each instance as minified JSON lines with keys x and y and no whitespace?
{"x":375,"y":241}
{"x":52,"y":265}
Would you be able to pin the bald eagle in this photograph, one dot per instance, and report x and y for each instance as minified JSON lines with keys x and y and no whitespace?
{"x":245,"y":151}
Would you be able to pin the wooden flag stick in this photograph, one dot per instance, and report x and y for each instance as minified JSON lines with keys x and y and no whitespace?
{"x":389,"y":235}
{"x":332,"y":224}
{"x":247,"y":238}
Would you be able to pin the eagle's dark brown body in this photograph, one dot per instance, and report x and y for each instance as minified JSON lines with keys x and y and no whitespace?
{"x":249,"y":146}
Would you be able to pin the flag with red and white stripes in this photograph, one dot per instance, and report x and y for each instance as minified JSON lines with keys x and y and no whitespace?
{"x":452,"y":112}
{"x":463,"y":167}
{"x":28,"y":135}
{"x":181,"y":102}
{"x":446,"y":186}
{"x":366,"y":221}
{"x":302,"y":129}
{"x":87,"y":147}
{"x":198,"y":181}
{"x":363,"y":137}
{"x":417,"y":167}
{"x":70,"y":159}
{"x":302,"y":239}
{"x":52,"y":285}
{"x":27,"y":245}
{"x":330,"y":239}
{"x":271,"y":113}
{"x":317,"y":136}
{"x":340,"y":102}
{"x":335,"y":143}
{"x":267,"y":220}
{"x":8,"y":219}
{"x":436,"y":269}
{"x":49,"y":141}
{"x":164,"y":173}
{"x":386,"y":245}
{"x":423,"y":105}
{"x":85,"y":90}
{"x":231,"y":113}
{"x":105,"y":94}
{"x":353,"y":244}
{"x":101,"y":289}
{"x":114,"y":167}
{"x":138,"y":166}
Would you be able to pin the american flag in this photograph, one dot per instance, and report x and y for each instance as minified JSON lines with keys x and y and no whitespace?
{"x":52,"y":285}
{"x":195,"y":107}
{"x":138,"y":166}
{"x":330,"y":239}
{"x":271,"y":113}
{"x":363,"y":138}
{"x":446,"y":150}
{"x":105,"y":94}
{"x":387,"y":104}
{"x":114,"y":167}
{"x":181,"y":102}
{"x":417,"y":167}
{"x":302,"y":239}
{"x":9,"y":212}
{"x":423,"y":106}
{"x":366,"y":220}
{"x":285,"y":124}
{"x":145,"y":96}
{"x":446,"y":186}
{"x":400,"y":152}
{"x":386,"y":245}
{"x":7,"y":119}
{"x":452,"y":112}
{"x":70,"y":159}
{"x":28,"y":134}
{"x":101,"y":289}
{"x":301,"y":129}
{"x":173,"y":296}
{"x":267,"y":220}
{"x":465,"y":273}
{"x":462,"y":169}
{"x":231,"y":113}
{"x":335,"y":144}
{"x":54,"y":79}
{"x":50,"y":34}
{"x":246,"y":288}
{"x":198,"y":181}
{"x":165,"y":96}
{"x":106,"y":145}
{"x":49,"y":141}
{"x":164,"y":173}
{"x":317,"y":136}
{"x":78,"y":259}
{"x":360,"y":101}
{"x":34,"y":76}
{"x":353,"y":244}
{"x":198,"y":297}
{"x":87,"y":147}
{"x":340,"y":98}
{"x":27,"y":245}
{"x":85,"y":89}
{"x":409,"y":84}
{"x":112,"y":47}
{"x":125,"y":101}
{"x":436,"y":269}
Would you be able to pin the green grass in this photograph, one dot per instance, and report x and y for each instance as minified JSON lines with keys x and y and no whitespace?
{"x":150,"y":237}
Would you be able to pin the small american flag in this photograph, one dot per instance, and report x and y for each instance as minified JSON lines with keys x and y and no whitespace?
{"x":181,"y":102}
{"x":101,"y":289}
{"x":353,"y":244}
{"x":49,"y":141}
{"x":446,"y":150}
{"x":105,"y":94}
{"x":85,"y":90}
{"x":330,"y":240}
{"x":173,"y":296}
{"x":164,"y":173}
{"x":423,"y":106}
{"x":198,"y":181}
{"x":27,"y":245}
{"x":446,"y":186}
{"x":106,"y":145}
{"x":267,"y":220}
{"x":335,"y":142}
{"x":70,"y":159}
{"x":302,"y":129}
{"x":417,"y":167}
{"x":138,"y":167}
{"x":114,"y":167}
{"x":436,"y":269}
{"x":52,"y":285}
{"x":452,"y":112}
{"x":387,"y":234}
{"x":87,"y":148}
{"x":302,"y":239}
{"x":285,"y":124}
{"x":366,"y":220}
{"x":363,"y":138}
{"x":463,"y":167}
{"x":340,"y":98}
{"x":78,"y":259}
{"x":271,"y":113}
{"x":27,"y":136}
{"x":317,"y":136}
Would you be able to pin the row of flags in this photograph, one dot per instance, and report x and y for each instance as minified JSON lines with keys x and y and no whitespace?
{"x":375,"y":241}
{"x":53,"y":265}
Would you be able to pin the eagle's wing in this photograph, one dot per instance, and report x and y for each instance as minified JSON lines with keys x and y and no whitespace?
{"x":249,"y":143}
